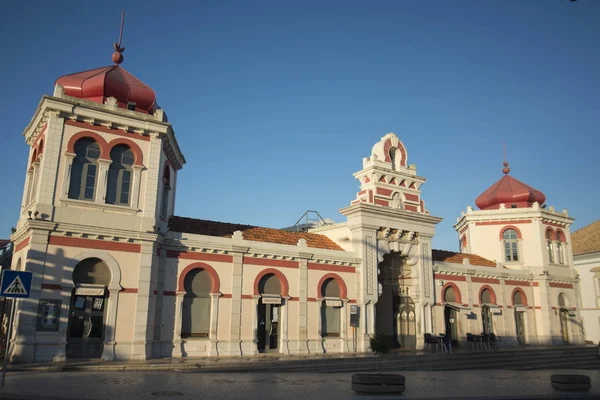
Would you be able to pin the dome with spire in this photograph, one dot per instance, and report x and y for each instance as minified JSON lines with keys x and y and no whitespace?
{"x":100,"y":84}
{"x":511,"y":192}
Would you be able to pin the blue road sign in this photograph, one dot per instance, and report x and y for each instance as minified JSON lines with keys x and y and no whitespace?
{"x":16,"y":284}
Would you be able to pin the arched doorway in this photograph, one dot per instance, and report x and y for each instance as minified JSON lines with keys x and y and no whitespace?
{"x":407,"y":327}
{"x":269,"y":314}
{"x":196,"y":310}
{"x":331,"y":308}
{"x":564,"y":317}
{"x":451,"y":296}
{"x":519,"y":307}
{"x":486,"y":313}
{"x":86,"y":330}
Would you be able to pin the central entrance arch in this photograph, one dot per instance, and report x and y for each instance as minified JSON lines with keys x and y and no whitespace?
{"x":86,"y":330}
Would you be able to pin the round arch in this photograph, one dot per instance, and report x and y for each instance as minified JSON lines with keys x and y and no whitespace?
{"x":519,"y":235}
{"x":104,"y":151}
{"x":456,"y":291}
{"x":492,"y":294}
{"x":563,"y":300}
{"x":563,"y":237}
{"x":523,"y":297}
{"x":552,"y":233}
{"x":111,"y":263}
{"x":137,"y":152}
{"x":282,"y":279}
{"x":216,"y":283}
{"x":340,"y":282}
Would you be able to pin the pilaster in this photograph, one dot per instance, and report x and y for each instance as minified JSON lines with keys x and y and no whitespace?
{"x":51,"y":159}
{"x":151,"y":197}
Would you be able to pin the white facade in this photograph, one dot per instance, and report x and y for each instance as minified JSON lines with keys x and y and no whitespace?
{"x":127,"y":280}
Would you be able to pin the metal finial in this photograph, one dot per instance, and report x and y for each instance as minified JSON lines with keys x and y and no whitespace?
{"x":117,"y":56}
{"x":506,"y":170}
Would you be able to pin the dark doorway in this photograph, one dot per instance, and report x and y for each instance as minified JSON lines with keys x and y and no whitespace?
{"x":451,"y":322}
{"x":520,"y":325}
{"x":406,"y":326}
{"x":85,"y":334}
{"x":85,"y":337}
{"x":267,"y":333}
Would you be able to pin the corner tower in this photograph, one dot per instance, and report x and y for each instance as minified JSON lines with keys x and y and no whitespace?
{"x":99,"y":190}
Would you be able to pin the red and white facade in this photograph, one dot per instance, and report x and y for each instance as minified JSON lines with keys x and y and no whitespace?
{"x":117,"y":276}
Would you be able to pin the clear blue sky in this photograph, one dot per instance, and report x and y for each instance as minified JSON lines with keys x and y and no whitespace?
{"x":275,"y":104}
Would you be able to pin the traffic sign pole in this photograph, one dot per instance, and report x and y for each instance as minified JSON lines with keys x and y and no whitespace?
{"x":8,"y":337}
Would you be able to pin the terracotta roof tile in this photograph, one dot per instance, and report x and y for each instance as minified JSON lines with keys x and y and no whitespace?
{"x":254,"y":233}
{"x":457,"y":258}
{"x":587,"y":239}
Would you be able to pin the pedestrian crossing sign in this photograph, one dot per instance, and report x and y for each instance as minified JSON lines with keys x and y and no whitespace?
{"x":16,"y":284}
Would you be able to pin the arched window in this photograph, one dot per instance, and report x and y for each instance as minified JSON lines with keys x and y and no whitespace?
{"x":83,"y":171}
{"x":486,"y":297}
{"x":393,"y":157}
{"x":511,"y":246}
{"x":119,"y":175}
{"x":164,"y":208}
{"x":518,"y":299}
{"x":397,"y":201}
{"x":330,"y":308}
{"x":559,"y":247}
{"x":562,"y":301}
{"x":195,"y":320}
{"x":450,"y":295}
{"x":550,"y":246}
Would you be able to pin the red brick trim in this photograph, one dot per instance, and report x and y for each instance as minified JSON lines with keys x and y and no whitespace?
{"x":523,"y":296}
{"x":456,"y":289}
{"x":332,"y":268}
{"x":282,"y":280}
{"x":104,"y":129}
{"x":352,"y":301}
{"x":411,"y":197}
{"x":362,"y":192}
{"x":520,"y":221}
{"x":485,"y":280}
{"x":538,"y":307}
{"x":552,"y":233}
{"x":137,"y":152}
{"x":382,"y":202}
{"x":312,"y":299}
{"x":169,"y":293}
{"x":51,"y":286}
{"x":340,"y":282}
{"x":94,"y":244}
{"x":535,"y":284}
{"x":129,"y":290}
{"x":104,"y":152}
{"x":294,"y":299}
{"x":519,"y":235}
{"x":226,"y":296}
{"x":189,"y":255}
{"x":509,"y":306}
{"x":247,"y":297}
{"x":270,"y":263}
{"x":370,"y":196}
{"x":22,"y":244}
{"x":216,"y":282}
{"x":450,"y":277}
{"x":515,"y":283}
{"x":383,"y":192}
{"x":560,"y":285}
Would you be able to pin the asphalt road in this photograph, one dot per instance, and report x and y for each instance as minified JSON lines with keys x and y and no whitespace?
{"x":288,"y":386}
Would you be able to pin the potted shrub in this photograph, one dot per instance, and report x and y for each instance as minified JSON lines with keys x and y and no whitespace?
{"x":379,"y":383}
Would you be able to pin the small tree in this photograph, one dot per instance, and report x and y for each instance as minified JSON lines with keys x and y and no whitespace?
{"x":381,"y":344}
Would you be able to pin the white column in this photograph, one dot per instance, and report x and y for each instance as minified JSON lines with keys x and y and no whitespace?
{"x":214,"y":318}
{"x":254,"y":348}
{"x":303,"y":339}
{"x":27,"y":190}
{"x":102,"y":181}
{"x":108,"y":354}
{"x":284,"y":326}
{"x":177,"y":326}
{"x":69,"y":157}
{"x":344,"y":328}
{"x":135,"y":186}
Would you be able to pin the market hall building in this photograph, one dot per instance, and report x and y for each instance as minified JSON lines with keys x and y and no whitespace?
{"x":117,"y":276}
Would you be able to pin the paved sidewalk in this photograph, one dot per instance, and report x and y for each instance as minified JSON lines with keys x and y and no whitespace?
{"x":189,"y":364}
